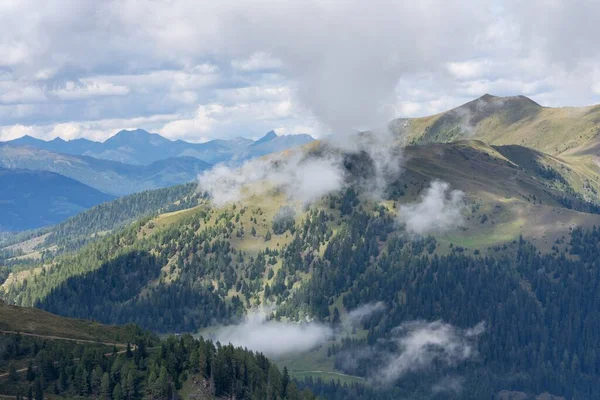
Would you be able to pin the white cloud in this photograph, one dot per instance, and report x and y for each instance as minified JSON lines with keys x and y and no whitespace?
{"x":417,"y":346}
{"x":274,"y":338}
{"x":199,"y":124}
{"x":438,"y":210}
{"x":16,"y":92}
{"x":303,"y":179}
{"x":257,"y":62}
{"x":16,"y":131}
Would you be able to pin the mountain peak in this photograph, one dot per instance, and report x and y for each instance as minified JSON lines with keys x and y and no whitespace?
{"x":136,"y":137}
{"x":268,"y":137}
{"x":519,"y":100}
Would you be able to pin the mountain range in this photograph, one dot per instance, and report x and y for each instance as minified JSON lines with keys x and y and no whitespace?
{"x":139,"y":147}
{"x":128,"y":162}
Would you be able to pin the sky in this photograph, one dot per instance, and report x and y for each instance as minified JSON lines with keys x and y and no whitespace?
{"x":199,"y":70}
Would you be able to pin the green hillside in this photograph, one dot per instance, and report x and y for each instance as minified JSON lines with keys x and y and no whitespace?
{"x":511,"y":121}
{"x":47,"y":356}
{"x":32,"y":321}
{"x":94,"y":223}
{"x":516,"y":248}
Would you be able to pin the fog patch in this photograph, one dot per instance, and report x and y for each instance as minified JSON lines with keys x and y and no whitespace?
{"x":274,"y":338}
{"x":301,"y":177}
{"x":358,"y":315}
{"x":439,"y":210}
{"x":306,"y":176}
{"x":413,"y":347}
{"x":453,"y":384}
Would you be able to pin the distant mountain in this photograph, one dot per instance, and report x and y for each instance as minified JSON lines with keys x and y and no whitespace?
{"x":31,"y":199}
{"x":271,"y":143}
{"x":107,"y":176}
{"x":268,"y":137}
{"x":138,"y":147}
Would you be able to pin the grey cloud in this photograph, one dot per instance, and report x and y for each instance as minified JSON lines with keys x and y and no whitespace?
{"x":357,"y":315}
{"x":345,"y":69}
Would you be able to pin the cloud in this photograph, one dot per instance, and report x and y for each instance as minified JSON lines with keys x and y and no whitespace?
{"x":303,"y":178}
{"x":200,"y":123}
{"x":415,"y":346}
{"x":448,"y":384}
{"x":258,"y":61}
{"x":89,"y":88}
{"x":355,"y":67}
{"x":438,"y":210}
{"x":274,"y":338}
{"x":359,"y":314}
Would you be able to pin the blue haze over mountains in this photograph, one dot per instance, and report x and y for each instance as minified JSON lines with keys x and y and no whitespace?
{"x":139,"y":147}
{"x":71,"y":176}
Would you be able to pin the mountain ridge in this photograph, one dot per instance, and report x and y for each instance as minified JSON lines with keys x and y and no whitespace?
{"x":140,"y":147}
{"x":32,"y":199}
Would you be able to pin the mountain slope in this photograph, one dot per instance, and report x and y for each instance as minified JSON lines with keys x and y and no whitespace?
{"x":99,"y":221}
{"x":31,"y":199}
{"x":510,"y":121}
{"x":523,"y":261}
{"x":515,"y":200}
{"x":138,"y":147}
{"x":107,"y":176}
{"x":38,"y":322}
{"x":49,"y":356}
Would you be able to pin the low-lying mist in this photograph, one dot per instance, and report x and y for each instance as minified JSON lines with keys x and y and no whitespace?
{"x":274,"y":338}
{"x":415,"y":346}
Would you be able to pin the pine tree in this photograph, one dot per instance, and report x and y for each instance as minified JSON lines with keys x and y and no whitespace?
{"x":117,"y":392}
{"x":105,"y":387}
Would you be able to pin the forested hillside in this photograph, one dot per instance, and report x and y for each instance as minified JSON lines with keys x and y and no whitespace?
{"x":32,"y":199}
{"x":93,"y":224}
{"x":141,"y":367}
{"x":208,"y":265}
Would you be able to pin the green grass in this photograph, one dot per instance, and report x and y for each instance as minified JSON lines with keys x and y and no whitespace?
{"x":39,"y":322}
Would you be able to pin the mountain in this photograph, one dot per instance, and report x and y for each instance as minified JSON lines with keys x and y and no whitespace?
{"x":268,"y":137}
{"x":139,"y":147}
{"x":31,"y":199}
{"x":477,"y":304}
{"x":108,"y":176}
{"x":97,"y":222}
{"x":516,"y":120}
{"x":517,"y":265}
{"x":271,"y":143}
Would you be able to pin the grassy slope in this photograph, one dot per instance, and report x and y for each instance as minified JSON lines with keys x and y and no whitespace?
{"x":35,"y":321}
{"x":511,"y":120}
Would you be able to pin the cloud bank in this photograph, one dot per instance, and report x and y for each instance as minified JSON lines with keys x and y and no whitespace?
{"x":355,"y":68}
{"x":438,"y":210}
